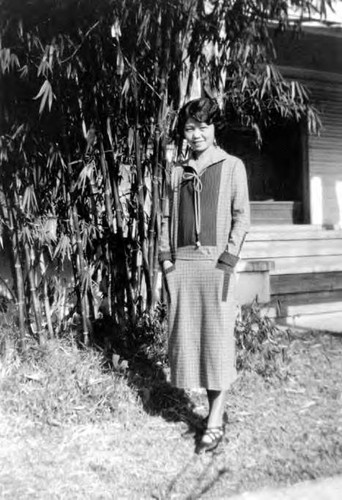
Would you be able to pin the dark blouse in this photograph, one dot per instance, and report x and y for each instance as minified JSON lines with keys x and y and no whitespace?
{"x":208,"y":193}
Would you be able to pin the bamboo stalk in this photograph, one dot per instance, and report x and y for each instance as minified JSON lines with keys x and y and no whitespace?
{"x":121,"y":247}
{"x":78,"y":261}
{"x":158,"y":209}
{"x":81,"y":267}
{"x":110,"y":219}
{"x":43,"y":269}
{"x":140,"y":194}
{"x":107,"y":186}
{"x":155,"y":265}
{"x":110,"y":288}
{"x":154,"y":209}
{"x":33,"y":292}
{"x":19,"y":281}
{"x":33,"y":298}
{"x":141,"y":220}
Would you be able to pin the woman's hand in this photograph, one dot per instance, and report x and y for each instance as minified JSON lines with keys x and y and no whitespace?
{"x":166,"y":265}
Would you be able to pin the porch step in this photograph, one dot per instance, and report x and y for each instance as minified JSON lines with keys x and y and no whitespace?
{"x":306,"y":293}
{"x":291,"y":305}
{"x":295,"y":248}
{"x":275,"y":229}
{"x":307,"y":274}
{"x":292,"y":232}
{"x":305,"y":282}
{"x":292,"y":248}
{"x":329,"y":322}
{"x":307,"y":264}
{"x":271,"y":212}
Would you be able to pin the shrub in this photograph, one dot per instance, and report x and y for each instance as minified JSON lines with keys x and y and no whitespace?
{"x":149,"y":337}
{"x":261,"y":346}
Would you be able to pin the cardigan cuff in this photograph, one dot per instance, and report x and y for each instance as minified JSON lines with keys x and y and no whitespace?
{"x":228,"y":259}
{"x":164,"y":256}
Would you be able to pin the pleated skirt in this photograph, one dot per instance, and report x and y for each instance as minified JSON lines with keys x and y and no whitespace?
{"x":201,"y":317}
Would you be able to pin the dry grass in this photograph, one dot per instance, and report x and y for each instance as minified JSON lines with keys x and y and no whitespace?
{"x":138,"y":442}
{"x":59,"y":384}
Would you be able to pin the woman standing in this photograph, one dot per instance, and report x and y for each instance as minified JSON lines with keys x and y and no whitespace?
{"x":203,"y":229}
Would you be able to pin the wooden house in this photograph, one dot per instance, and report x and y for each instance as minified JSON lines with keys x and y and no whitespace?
{"x":293,"y":253}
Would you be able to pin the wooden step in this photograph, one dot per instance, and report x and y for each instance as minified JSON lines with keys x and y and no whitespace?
{"x":308,"y":282}
{"x":292,"y":233}
{"x":290,"y":248}
{"x":267,"y":220}
{"x":282,"y":306}
{"x":275,"y":212}
{"x":306,"y":264}
{"x":330,"y":322}
{"x":288,"y":227}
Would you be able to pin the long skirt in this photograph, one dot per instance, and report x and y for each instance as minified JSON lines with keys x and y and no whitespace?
{"x":202,"y":313}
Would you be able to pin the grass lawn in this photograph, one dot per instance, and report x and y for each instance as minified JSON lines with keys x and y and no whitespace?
{"x":71,"y":430}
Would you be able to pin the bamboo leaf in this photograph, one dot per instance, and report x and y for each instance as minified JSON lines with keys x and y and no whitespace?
{"x":126,"y":87}
{"x":42,"y":89}
{"x":293,"y":90}
{"x":43,"y":67}
{"x":29,"y":203}
{"x":15,"y":61}
{"x":120,"y":64}
{"x":115,"y":29}
{"x":130,"y":139}
{"x":23,"y":71}
{"x":63,"y":248}
{"x":46,"y":95}
{"x":265,"y":87}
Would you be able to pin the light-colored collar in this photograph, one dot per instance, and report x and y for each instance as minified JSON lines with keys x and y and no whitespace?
{"x":212,"y":155}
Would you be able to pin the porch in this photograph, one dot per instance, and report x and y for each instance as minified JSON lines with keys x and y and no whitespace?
{"x":293,"y":270}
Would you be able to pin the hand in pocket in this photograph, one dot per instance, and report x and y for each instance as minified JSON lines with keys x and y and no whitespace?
{"x":168,"y":266}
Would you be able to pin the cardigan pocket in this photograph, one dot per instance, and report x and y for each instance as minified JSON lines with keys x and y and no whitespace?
{"x":225,"y":287}
{"x":227,"y":271}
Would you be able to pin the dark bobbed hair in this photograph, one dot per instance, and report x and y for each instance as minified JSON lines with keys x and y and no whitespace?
{"x":203,"y":110}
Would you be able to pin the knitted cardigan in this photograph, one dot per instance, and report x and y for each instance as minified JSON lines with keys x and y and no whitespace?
{"x":233,"y":216}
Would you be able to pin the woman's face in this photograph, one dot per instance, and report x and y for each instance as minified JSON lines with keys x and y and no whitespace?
{"x":199,"y":135}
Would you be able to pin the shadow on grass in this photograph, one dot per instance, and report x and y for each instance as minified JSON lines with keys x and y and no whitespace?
{"x":140,"y":355}
{"x":199,"y":476}
{"x":199,"y":473}
{"x":159,"y":397}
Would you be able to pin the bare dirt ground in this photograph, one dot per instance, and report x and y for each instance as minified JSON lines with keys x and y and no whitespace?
{"x":277,"y":434}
